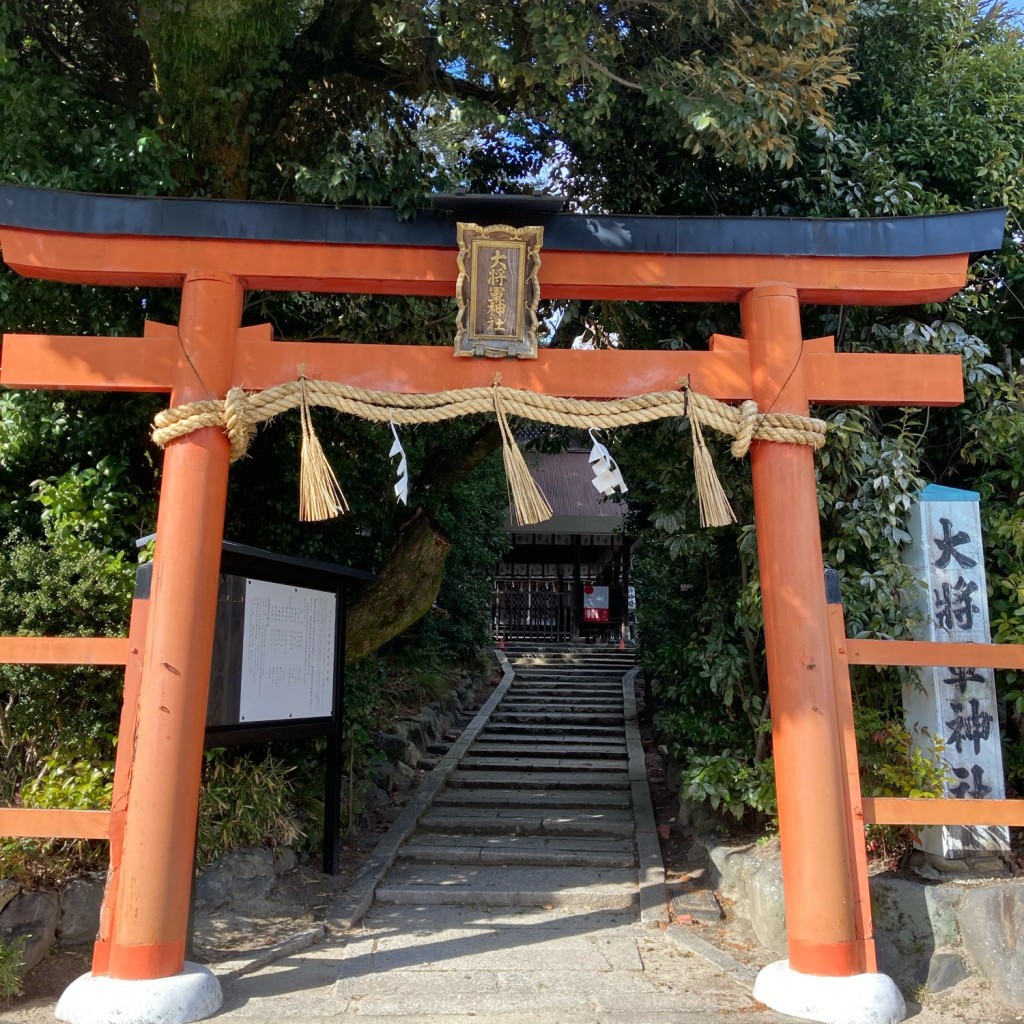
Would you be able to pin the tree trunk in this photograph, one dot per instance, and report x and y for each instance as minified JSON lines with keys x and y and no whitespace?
{"x":408,"y":581}
{"x":405,"y":588}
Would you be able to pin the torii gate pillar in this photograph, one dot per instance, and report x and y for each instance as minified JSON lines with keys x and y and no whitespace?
{"x":828,"y":961}
{"x":830,"y":975}
{"x":139,"y":957}
{"x":171,"y":720}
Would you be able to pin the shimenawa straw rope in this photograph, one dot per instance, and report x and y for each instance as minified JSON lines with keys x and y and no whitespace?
{"x":239,"y":413}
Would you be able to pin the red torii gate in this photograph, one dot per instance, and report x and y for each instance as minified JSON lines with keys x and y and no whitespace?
{"x":214,"y":251}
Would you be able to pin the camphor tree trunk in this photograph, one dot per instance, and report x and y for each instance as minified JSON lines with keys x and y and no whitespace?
{"x":405,"y":589}
{"x":409,"y":580}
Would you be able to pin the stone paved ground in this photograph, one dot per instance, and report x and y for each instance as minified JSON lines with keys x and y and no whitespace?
{"x":459,"y":964}
{"x":523,"y":895}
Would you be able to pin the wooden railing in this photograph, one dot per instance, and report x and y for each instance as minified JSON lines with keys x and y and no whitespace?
{"x":55,"y":823}
{"x":921,"y":810}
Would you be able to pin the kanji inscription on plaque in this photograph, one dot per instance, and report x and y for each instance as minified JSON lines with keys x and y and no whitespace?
{"x":498,"y":291}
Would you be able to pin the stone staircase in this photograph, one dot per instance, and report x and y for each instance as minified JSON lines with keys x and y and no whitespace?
{"x":539,"y":810}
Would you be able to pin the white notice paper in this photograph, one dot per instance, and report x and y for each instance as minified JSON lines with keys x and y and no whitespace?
{"x":287,"y":652}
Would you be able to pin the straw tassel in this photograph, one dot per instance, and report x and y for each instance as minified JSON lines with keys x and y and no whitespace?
{"x":320,"y":495}
{"x":528,"y":500}
{"x":714,"y":506}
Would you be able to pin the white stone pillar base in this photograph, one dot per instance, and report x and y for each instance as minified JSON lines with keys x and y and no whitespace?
{"x":192,"y":995}
{"x":858,"y":999}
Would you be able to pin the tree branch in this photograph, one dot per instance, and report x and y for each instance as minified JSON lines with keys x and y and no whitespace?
{"x":330,"y":47}
{"x":103,"y":52}
{"x":598,"y":66}
{"x":445,"y":468}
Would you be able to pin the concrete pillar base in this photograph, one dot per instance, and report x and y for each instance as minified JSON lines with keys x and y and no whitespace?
{"x":858,"y":999}
{"x":192,"y":995}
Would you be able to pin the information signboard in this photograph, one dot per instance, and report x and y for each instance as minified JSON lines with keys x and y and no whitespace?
{"x":287,"y":652}
{"x":278,"y":663}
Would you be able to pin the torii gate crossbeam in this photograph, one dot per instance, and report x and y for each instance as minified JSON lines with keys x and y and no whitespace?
{"x":214,"y":251}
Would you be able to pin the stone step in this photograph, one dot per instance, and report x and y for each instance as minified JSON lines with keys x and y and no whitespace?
{"x":552,"y":798}
{"x":603,"y":666}
{"x":587,"y":751}
{"x":516,"y":821}
{"x":572,"y":677}
{"x":596,"y":888}
{"x":556,"y":684}
{"x":540,"y":697}
{"x":509,"y":707}
{"x":518,"y":850}
{"x":539,"y":729}
{"x":552,"y":742}
{"x":527,"y":702}
{"x":566,"y":658}
{"x":557,"y":688}
{"x":591,"y":718}
{"x":597,"y":780}
{"x":569,"y":669}
{"x":612,"y":702}
{"x":532,"y":764}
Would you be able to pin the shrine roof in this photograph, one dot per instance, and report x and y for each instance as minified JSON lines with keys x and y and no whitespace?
{"x":158,"y":217}
{"x":566,"y":479}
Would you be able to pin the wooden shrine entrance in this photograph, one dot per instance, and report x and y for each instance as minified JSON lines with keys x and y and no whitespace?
{"x":215,"y":251}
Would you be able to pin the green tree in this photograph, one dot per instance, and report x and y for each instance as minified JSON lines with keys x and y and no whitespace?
{"x":947,"y":137}
{"x":346,"y":101}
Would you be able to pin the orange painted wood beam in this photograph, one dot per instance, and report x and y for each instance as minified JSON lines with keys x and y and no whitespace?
{"x":851,"y":771}
{"x":63,"y":650}
{"x":416,"y":270}
{"x":875,"y":378}
{"x":65,"y":363}
{"x":53,"y":823}
{"x":889,"y":810}
{"x":421,"y":368}
{"x":925,"y":653}
{"x":148,"y":364}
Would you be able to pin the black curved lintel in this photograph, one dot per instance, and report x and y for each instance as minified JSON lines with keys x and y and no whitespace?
{"x":90,"y":214}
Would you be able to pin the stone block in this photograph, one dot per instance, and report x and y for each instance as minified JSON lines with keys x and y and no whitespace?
{"x":285,"y":860}
{"x":448,"y":700}
{"x":987,"y":866}
{"x":376,"y":797}
{"x":429,"y":726}
{"x":697,"y":856}
{"x":992,"y":925}
{"x":245,"y":875}
{"x":692,"y":814}
{"x":729,"y":870}
{"x":411,"y":730}
{"x":8,"y":890}
{"x":918,"y":917}
{"x":32,"y":918}
{"x":945,"y":969}
{"x":766,"y":904}
{"x":382,"y":774}
{"x":80,"y":910}
{"x":397,"y":748}
{"x":890,"y":960}
{"x":404,"y":777}
{"x":391,"y":745}
{"x":948,"y":865}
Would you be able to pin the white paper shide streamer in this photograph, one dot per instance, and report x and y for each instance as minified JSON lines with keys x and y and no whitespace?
{"x":402,"y":485}
{"x":607,"y":475}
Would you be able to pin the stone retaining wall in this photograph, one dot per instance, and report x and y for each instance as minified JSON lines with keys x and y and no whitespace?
{"x":932,"y":931}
